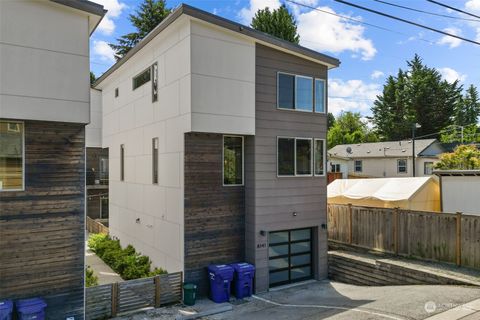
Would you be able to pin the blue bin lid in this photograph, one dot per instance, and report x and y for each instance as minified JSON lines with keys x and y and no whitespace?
{"x":6,"y":305}
{"x":30,"y":302}
{"x":243,"y":267}
{"x":223,"y":270}
{"x":31,"y":308}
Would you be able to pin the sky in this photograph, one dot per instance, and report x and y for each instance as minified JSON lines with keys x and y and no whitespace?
{"x":368,"y":53}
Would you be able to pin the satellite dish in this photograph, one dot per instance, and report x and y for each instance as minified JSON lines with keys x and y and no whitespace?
{"x":349,"y":150}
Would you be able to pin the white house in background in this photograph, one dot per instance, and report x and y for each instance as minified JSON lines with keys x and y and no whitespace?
{"x":384,"y":159}
{"x":460,"y":191}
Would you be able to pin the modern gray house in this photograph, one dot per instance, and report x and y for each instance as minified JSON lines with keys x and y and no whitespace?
{"x":44,"y":108}
{"x":216,"y":136}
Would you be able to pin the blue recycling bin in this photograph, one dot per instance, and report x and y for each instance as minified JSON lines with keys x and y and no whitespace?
{"x":243,"y":279}
{"x":6,"y":309}
{"x":31,"y":309}
{"x":220,"y":276}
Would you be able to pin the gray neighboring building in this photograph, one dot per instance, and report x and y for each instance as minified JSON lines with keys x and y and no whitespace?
{"x":216,"y":136}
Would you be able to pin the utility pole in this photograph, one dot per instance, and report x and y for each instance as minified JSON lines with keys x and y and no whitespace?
{"x":415,"y":126}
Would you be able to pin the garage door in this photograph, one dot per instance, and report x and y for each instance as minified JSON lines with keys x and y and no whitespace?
{"x":290,"y":256}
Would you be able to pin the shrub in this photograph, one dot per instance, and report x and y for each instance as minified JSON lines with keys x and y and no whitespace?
{"x":128,"y":263}
{"x":90,"y":279}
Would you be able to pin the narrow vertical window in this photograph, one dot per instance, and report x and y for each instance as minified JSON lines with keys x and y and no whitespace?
{"x":286,"y":156}
{"x":155,"y":160}
{"x":116,"y":92}
{"x":154,"y":82}
{"x":428,"y":168}
{"x":122,"y":162}
{"x":402,"y":165}
{"x":286,"y":91}
{"x":319,"y":157}
{"x":303,"y":93}
{"x":320,"y":95}
{"x":303,"y":150}
{"x":11,"y":155}
{"x":232,"y":160}
{"x":358,"y":166}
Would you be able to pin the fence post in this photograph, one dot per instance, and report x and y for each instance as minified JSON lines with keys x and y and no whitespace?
{"x":114,"y":299}
{"x":350,"y":225}
{"x":458,"y":250}
{"x":157,"y":291}
{"x":395,"y":230}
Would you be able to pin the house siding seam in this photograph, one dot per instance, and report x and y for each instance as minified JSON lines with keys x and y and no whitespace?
{"x":214,"y":214}
{"x":270,"y":200}
{"x":43,"y":228}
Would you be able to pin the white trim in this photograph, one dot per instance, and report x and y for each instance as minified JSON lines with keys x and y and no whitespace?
{"x":23,"y":155}
{"x":223,"y":161}
{"x":324,"y":96}
{"x":324,"y":157}
{"x":295,"y":157}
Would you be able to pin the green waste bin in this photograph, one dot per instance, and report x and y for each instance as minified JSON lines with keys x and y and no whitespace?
{"x":189,"y":294}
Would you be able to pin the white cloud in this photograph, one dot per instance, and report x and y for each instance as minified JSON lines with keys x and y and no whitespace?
{"x":324,"y":32}
{"x":451,"y":41}
{"x":102,"y":50}
{"x":115,"y":8}
{"x":246,"y":14}
{"x":474,"y":6}
{"x":451,"y":75}
{"x":351,"y":95}
{"x":377,"y":74}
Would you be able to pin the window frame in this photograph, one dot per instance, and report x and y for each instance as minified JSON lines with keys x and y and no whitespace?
{"x":324,"y":157}
{"x":425,"y":167}
{"x":295,"y":157}
{"x":355,"y":166}
{"x":122,"y":162}
{"x":311,"y":158}
{"x":23,"y":155}
{"x":406,"y":166}
{"x":223,"y":161}
{"x":138,"y":75}
{"x":324,"y":96}
{"x":155,"y":151}
{"x":295,"y":91}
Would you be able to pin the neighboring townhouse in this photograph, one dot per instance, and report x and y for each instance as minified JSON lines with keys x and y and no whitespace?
{"x":384,"y":159}
{"x":44,"y":107}
{"x":216,"y":137}
{"x":96,"y":162}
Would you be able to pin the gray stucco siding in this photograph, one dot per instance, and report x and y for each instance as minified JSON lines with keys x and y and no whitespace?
{"x":271,"y":200}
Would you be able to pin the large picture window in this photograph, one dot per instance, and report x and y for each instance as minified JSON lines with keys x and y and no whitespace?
{"x":11,"y":156}
{"x":232,"y":161}
{"x":304,"y":93}
{"x":295,"y":92}
{"x":294,"y":156}
{"x":319,"y":157}
{"x":303,"y":154}
{"x":286,"y":156}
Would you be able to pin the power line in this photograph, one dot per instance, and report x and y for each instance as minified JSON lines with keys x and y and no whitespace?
{"x":407,"y":21}
{"x":454,"y":9}
{"x":426,"y":12}
{"x":355,"y":20}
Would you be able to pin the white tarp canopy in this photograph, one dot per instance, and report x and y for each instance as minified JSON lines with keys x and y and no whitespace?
{"x":421,"y":193}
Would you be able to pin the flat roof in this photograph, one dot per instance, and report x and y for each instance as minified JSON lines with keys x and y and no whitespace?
{"x":331,"y":62}
{"x":457,"y":172}
{"x":83,"y":5}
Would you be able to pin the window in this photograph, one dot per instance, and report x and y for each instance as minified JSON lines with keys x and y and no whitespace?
{"x":428,"y":168}
{"x":142,"y":78}
{"x":319,"y":157}
{"x":122,"y":162}
{"x":286,"y":91}
{"x":303,"y":93}
{"x":335,"y":167}
{"x":103,"y":207}
{"x":303,"y":151}
{"x":11,"y":156}
{"x":154,"y":82}
{"x":116,"y":92}
{"x":320,"y":95}
{"x":103,"y":170}
{"x":232,"y":161}
{"x":358,"y":166}
{"x":155,"y":160}
{"x":402,"y":165}
{"x":294,"y":156}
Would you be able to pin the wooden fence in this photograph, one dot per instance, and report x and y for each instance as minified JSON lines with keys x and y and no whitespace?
{"x":95,"y":226}
{"x":109,"y":300}
{"x":446,"y":237}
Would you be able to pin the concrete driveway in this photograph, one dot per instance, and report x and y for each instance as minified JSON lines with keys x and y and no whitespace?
{"x":338,"y":301}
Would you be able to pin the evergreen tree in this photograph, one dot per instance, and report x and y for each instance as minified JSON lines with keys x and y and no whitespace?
{"x":92,"y":78}
{"x":330,"y":120}
{"x":146,"y":18}
{"x":279,"y":23}
{"x":468,"y":109}
{"x":417,"y":95}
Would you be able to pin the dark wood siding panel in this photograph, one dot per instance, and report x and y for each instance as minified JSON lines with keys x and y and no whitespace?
{"x":42,"y":228}
{"x":214,"y":214}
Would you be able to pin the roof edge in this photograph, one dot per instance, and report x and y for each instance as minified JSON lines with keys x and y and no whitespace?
{"x":84,"y":5}
{"x":224,"y":23}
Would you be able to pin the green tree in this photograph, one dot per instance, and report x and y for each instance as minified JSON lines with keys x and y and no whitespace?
{"x":330,"y":120}
{"x":279,"y":23}
{"x":416,"y":95}
{"x":468,"y":108}
{"x":465,"y":157}
{"x":145,"y":19}
{"x":92,"y":78}
{"x":349,"y":128}
{"x":454,"y":133}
